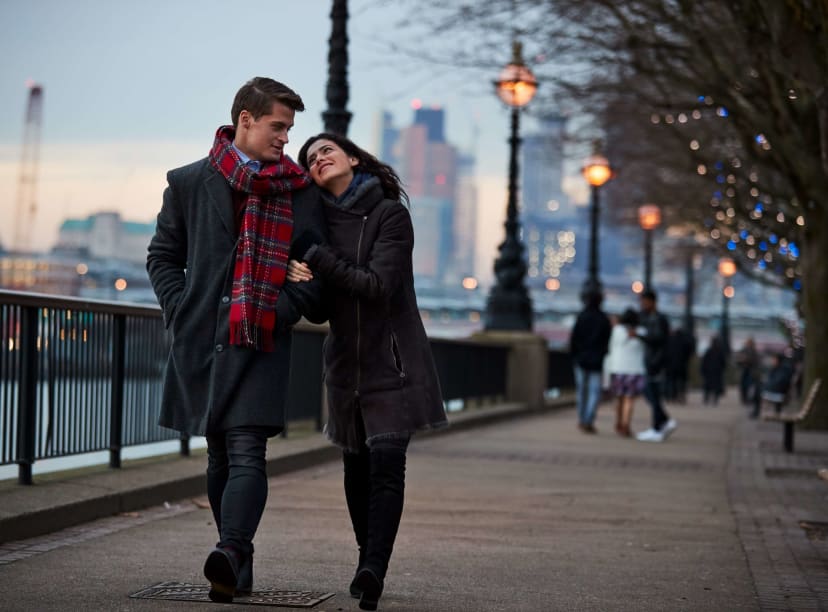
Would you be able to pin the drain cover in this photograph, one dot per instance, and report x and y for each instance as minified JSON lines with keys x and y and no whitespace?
{"x":815,"y":530}
{"x":181,"y":591}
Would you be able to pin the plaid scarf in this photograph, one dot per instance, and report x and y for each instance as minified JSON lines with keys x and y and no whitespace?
{"x":264,"y":239}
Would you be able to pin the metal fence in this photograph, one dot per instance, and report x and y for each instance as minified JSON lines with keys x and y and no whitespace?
{"x":80,"y":376}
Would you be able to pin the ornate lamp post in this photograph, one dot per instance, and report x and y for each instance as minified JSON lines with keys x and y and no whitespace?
{"x":336,"y":117}
{"x":649,"y":218}
{"x":509,"y":306}
{"x":727,"y":268}
{"x":596,"y":171}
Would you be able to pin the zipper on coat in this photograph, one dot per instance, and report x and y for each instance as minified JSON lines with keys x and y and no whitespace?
{"x":358,"y":314}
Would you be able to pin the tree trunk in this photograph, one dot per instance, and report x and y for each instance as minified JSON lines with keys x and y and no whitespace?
{"x":814,"y":307}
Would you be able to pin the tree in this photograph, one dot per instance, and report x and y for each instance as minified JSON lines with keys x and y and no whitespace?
{"x":716,"y":110}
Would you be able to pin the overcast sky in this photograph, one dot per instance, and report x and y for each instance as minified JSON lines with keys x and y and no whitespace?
{"x":132,"y":89}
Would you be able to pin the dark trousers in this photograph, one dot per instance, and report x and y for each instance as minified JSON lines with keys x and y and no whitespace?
{"x":237,"y":484}
{"x":652,"y":392}
{"x":374,"y":480}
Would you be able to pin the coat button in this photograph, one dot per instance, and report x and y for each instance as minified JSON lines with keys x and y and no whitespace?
{"x":225,"y":299}
{"x":219,"y":348}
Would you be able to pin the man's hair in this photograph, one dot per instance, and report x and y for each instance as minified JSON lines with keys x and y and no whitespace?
{"x":258,"y":95}
{"x":650,"y":295}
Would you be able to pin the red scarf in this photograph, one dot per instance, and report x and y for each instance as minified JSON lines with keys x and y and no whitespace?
{"x":264,"y":239}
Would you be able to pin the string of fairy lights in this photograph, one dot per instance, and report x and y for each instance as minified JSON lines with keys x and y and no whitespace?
{"x":742,"y":218}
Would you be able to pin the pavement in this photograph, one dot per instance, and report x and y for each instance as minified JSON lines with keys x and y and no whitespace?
{"x":507,"y":510}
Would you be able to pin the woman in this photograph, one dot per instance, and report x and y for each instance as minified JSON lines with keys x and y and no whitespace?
{"x":625,"y":366}
{"x":381,"y":381}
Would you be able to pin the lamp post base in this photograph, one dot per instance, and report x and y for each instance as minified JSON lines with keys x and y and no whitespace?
{"x":508,"y":310}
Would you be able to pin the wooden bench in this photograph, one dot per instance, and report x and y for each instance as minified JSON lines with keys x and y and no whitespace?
{"x":789,"y":419}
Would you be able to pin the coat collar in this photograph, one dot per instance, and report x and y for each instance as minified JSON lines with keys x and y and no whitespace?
{"x":221,"y":198}
{"x":361,"y":202}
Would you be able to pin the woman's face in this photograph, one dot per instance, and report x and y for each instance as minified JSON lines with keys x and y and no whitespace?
{"x":330,"y":167}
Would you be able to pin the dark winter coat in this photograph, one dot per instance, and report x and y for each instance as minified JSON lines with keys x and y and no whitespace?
{"x":378,"y":362}
{"x":210,"y":386}
{"x":713,"y":365}
{"x":655,"y":341}
{"x":589,"y":341}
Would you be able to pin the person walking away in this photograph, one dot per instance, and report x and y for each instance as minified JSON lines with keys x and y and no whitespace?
{"x":625,"y":365}
{"x":217,"y":263}
{"x":713,"y":365}
{"x":680,"y":349}
{"x":653,"y":331}
{"x":777,"y":384}
{"x":382,"y":384}
{"x":588,"y":345}
{"x":748,"y":361}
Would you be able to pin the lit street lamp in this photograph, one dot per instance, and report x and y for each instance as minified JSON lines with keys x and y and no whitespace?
{"x":509,"y":306}
{"x":727,"y":268}
{"x":649,"y":218}
{"x":596,"y":171}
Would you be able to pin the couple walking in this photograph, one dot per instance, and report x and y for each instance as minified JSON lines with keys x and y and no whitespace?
{"x":247,"y":242}
{"x":632,"y":353}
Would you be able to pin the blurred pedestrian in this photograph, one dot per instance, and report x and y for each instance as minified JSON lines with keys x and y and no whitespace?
{"x":625,"y":367}
{"x":588,"y":345}
{"x":653,"y":331}
{"x":777,"y":385}
{"x":381,"y":380}
{"x":217,"y":263}
{"x":713,"y":365}
{"x":748,"y":360}
{"x":680,"y":348}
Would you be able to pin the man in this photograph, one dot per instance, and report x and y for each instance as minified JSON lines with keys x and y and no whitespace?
{"x":588,"y":344}
{"x":654,"y":331}
{"x":217,"y":263}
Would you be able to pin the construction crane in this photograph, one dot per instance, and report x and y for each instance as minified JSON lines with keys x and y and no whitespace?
{"x":27,"y":186}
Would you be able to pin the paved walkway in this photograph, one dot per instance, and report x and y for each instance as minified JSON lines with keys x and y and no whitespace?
{"x":524,"y":514}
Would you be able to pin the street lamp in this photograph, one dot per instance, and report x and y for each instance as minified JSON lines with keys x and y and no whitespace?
{"x":509,"y":306}
{"x":649,"y":218}
{"x":727,"y":268}
{"x":596,"y":171}
{"x":336,"y":117}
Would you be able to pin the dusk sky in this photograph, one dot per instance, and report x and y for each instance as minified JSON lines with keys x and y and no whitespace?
{"x":132,"y":89}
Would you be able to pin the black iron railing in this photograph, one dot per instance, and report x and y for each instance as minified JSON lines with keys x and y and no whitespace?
{"x":79,"y":376}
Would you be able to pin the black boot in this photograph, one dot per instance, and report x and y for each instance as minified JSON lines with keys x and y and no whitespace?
{"x":357,"y":468}
{"x":222,"y":570}
{"x":244,"y":586}
{"x":384,"y":513}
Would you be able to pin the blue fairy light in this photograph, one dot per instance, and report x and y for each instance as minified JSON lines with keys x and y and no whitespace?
{"x":700,"y":98}
{"x":763,"y":246}
{"x":762,"y":265}
{"x":722,"y":111}
{"x":783,"y":250}
{"x":797,"y":284}
{"x":720,"y":178}
{"x":718,"y":165}
{"x":744,"y":234}
{"x":758,"y":208}
{"x":773,"y":239}
{"x":731,"y":246}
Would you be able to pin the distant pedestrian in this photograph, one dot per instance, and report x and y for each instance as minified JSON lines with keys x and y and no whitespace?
{"x":380,"y":375}
{"x":680,"y":349}
{"x":588,"y":345}
{"x":748,"y":360}
{"x":625,"y":366}
{"x":217,"y":263}
{"x":777,"y":385}
{"x":653,"y":331}
{"x":713,"y":365}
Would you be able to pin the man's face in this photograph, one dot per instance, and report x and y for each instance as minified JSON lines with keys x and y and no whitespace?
{"x":264,"y":139}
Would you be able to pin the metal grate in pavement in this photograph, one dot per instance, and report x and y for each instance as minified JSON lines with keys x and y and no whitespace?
{"x":181,"y":591}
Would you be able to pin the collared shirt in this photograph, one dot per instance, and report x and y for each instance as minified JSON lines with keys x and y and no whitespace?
{"x":253,"y":164}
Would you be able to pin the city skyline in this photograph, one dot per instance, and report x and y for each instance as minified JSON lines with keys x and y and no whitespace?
{"x":128,"y":95}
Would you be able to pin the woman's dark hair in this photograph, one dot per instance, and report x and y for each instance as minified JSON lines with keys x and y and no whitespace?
{"x":389,"y":180}
{"x":629,"y":317}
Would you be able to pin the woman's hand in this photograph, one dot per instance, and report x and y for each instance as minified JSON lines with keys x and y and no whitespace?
{"x":298,"y":272}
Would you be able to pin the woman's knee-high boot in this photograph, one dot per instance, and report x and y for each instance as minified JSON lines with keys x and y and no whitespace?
{"x":385,"y":511}
{"x":357,"y":479}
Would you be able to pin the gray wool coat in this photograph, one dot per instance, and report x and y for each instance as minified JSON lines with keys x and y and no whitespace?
{"x":210,"y":386}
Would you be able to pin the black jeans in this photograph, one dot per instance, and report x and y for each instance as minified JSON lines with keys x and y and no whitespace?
{"x":237,"y":484}
{"x":652,"y":391}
